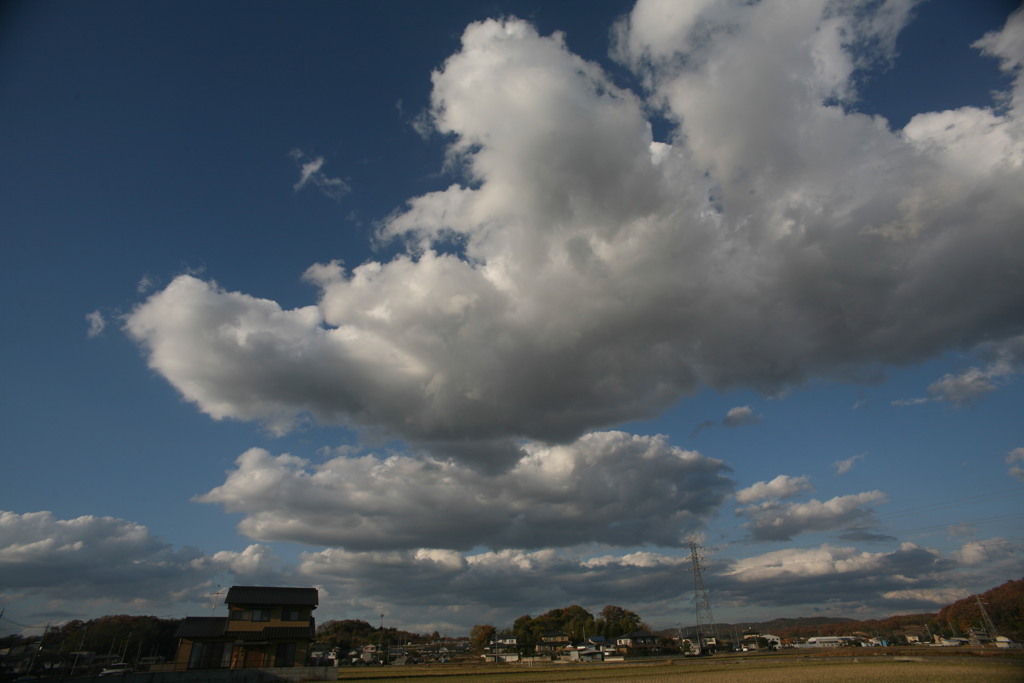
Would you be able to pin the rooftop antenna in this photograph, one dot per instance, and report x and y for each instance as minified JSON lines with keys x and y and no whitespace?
{"x":705,"y":619}
{"x":213,"y":599}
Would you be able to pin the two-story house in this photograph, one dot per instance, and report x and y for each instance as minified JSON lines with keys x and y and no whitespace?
{"x":553,"y":642}
{"x":266,"y":626}
{"x":637,"y":641}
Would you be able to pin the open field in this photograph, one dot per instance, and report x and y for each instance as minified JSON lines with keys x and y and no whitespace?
{"x":728,"y":669}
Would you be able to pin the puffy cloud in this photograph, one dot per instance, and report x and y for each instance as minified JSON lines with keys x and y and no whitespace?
{"x":1016,"y":462}
{"x":1008,"y":46}
{"x":795,"y":562}
{"x":83,"y":564}
{"x":253,"y":563}
{"x":844,"y":466}
{"x":1005,"y":360}
{"x":499,"y":586}
{"x":609,"y":487}
{"x":120,"y":563}
{"x":989,"y":551}
{"x":839,"y":580}
{"x":843,"y":580}
{"x":963,"y":388}
{"x":102,"y":557}
{"x":775,"y":521}
{"x":782,"y":486}
{"x":210,"y":343}
{"x":739,"y":416}
{"x":599,"y":274}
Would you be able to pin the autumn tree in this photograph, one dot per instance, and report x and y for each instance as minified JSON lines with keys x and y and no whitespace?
{"x":1004,"y":605}
{"x":481,"y":636}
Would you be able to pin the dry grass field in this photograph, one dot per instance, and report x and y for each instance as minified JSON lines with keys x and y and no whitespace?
{"x":726,"y":669}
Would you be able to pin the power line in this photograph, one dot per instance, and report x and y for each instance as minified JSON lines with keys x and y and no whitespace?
{"x":957,"y":502}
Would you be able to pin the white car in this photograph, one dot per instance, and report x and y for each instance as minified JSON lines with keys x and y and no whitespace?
{"x":119,"y":669}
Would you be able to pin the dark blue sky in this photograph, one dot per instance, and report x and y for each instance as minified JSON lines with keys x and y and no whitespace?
{"x":146,"y":142}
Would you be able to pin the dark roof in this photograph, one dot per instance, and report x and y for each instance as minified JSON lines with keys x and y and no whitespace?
{"x":272,"y":595}
{"x":202,"y":627}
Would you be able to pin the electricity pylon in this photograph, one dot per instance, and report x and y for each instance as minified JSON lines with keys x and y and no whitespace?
{"x":705,"y":619}
{"x":990,"y":628}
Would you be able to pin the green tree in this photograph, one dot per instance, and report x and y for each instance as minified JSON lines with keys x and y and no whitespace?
{"x":616,"y":621}
{"x":524,"y":632}
{"x":346,"y":634}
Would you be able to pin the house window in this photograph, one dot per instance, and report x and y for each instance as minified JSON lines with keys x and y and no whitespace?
{"x":291,"y":615}
{"x":240,"y":615}
{"x":261,"y":615}
{"x":285,"y":654}
{"x":206,"y":656}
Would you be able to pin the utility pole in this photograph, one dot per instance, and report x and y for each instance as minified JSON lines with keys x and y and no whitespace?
{"x":39,"y":647}
{"x":705,"y":619}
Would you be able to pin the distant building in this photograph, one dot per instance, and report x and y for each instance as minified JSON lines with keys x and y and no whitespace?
{"x":552,"y":642}
{"x":758,"y":640}
{"x":637,"y":641}
{"x":266,"y":626}
{"x":827,"y":641}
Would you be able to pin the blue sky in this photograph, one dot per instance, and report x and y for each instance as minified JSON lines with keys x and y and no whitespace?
{"x":463,"y":311}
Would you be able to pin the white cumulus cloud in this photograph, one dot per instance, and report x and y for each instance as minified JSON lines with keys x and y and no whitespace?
{"x":777,"y":521}
{"x":774,"y":236}
{"x":782,"y":486}
{"x":103,"y":557}
{"x":610,"y":488}
{"x":739,"y":416}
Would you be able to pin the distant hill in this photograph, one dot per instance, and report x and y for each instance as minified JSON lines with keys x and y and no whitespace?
{"x":1004,"y":605}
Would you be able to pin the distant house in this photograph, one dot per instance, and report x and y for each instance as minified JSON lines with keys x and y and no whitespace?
{"x":266,"y":626}
{"x":826,"y":641}
{"x":504,"y":649}
{"x":637,"y":640}
{"x":757,"y":641}
{"x":584,"y":653}
{"x":553,"y":642}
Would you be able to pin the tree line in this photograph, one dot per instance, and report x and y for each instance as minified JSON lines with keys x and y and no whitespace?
{"x":352,"y":634}
{"x":128,"y":637}
{"x":576,"y":622}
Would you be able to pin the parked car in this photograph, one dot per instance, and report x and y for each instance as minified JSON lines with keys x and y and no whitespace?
{"x":119,"y":669}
